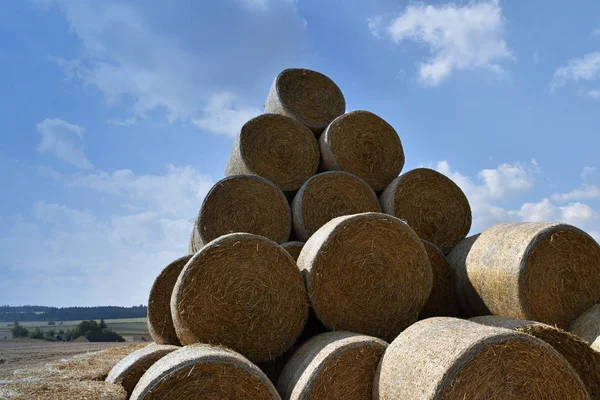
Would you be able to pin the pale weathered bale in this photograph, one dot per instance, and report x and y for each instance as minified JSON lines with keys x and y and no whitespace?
{"x":203,"y":371}
{"x":449,"y":358}
{"x":293,"y":248}
{"x":307,"y":96}
{"x":332,"y":365}
{"x":468,"y":302}
{"x":432,"y":204}
{"x":244,"y":203}
{"x":195,"y":243}
{"x":584,"y":360}
{"x":160,"y":322}
{"x":241,"y":291}
{"x":442,"y":300}
{"x":47,"y":389}
{"x":587,"y":327}
{"x":130,"y":369}
{"x":365,"y":145}
{"x":277,"y":148}
{"x":546,"y":272}
{"x":366,"y":273}
{"x":328,"y":195}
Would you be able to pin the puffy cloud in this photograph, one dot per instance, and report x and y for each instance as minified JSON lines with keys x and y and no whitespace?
{"x":64,"y":141}
{"x":459,"y":37}
{"x":585,"y":68}
{"x":222,"y":115}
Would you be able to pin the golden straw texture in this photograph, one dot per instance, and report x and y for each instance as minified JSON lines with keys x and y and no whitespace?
{"x":587,"y":327}
{"x":245,"y":203}
{"x":160,"y":322}
{"x":365,"y":145}
{"x":195,"y":243}
{"x":546,"y":272}
{"x":241,"y":291}
{"x":130,"y":369}
{"x":204,"y":372}
{"x":448,"y":358}
{"x":366,"y":273}
{"x":307,"y":96}
{"x":47,"y":389}
{"x":332,"y":365}
{"x":442,"y":300}
{"x":329,"y":195}
{"x":584,"y":360}
{"x":277,"y":148}
{"x":432,"y":204}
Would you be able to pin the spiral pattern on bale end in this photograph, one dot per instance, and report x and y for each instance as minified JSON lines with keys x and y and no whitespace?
{"x":276,"y":147}
{"x":241,"y":291}
{"x":332,"y":365}
{"x":584,"y":360}
{"x":442,"y":300}
{"x":366,"y":273}
{"x":449,"y":358}
{"x":365,"y":145}
{"x":130,"y":369}
{"x":546,"y":272}
{"x":244,"y":203}
{"x":160,"y":322}
{"x":587,"y":327}
{"x":293,"y":249}
{"x":329,"y":195}
{"x":307,"y":96}
{"x":432,"y":204}
{"x":206,"y":372}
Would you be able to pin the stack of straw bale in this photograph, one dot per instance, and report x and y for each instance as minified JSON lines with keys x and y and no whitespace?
{"x":316,"y":251}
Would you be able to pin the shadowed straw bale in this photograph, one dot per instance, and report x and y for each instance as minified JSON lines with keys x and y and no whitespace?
{"x":584,"y":360}
{"x":449,"y":358}
{"x":442,"y":300}
{"x":365,"y":145}
{"x":432,"y":204}
{"x":293,"y":248}
{"x":587,"y":327}
{"x":329,"y":195}
{"x":307,"y":96}
{"x":546,"y":272}
{"x":160,"y":322}
{"x":60,"y":390}
{"x":468,"y":302}
{"x":203,"y":371}
{"x":130,"y":369}
{"x":366,"y":273}
{"x":244,"y":203}
{"x":277,"y":148}
{"x":332,"y":365}
{"x":241,"y":291}
{"x":195,"y":243}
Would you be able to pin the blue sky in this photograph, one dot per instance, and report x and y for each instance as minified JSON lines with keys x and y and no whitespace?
{"x":117,"y":117}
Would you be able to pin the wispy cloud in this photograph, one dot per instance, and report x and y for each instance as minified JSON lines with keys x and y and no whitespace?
{"x":223,"y":115}
{"x":581,"y":69}
{"x":64,"y":141}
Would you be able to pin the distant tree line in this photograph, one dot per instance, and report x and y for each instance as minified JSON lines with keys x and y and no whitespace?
{"x":41,"y":313}
{"x":91,"y":330}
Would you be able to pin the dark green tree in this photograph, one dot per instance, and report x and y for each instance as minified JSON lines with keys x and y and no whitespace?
{"x":18,"y":330}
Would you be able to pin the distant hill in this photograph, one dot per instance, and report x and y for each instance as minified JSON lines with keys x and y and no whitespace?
{"x":41,"y":313}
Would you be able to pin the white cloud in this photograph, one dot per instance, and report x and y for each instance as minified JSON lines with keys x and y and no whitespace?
{"x":588,"y":173}
{"x":594,"y":94}
{"x":587,"y":192}
{"x":458,"y":37}
{"x":586,"y":68}
{"x":64,"y":141}
{"x":222,"y":115}
{"x":577,"y":214}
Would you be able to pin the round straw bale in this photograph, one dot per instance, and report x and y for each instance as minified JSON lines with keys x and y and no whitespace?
{"x":293,"y":248}
{"x":366,"y":273}
{"x":244,"y":203}
{"x":307,"y":96}
{"x":160,"y":322}
{"x":204,"y":371}
{"x":195,"y":243}
{"x":277,"y":148}
{"x":449,"y":358}
{"x":332,"y":365}
{"x":328,"y":195}
{"x":546,"y":272}
{"x":130,"y":369}
{"x":241,"y":291}
{"x":468,"y":302}
{"x":365,"y":145}
{"x":584,"y":360}
{"x":442,"y":300}
{"x":587,"y":327}
{"x":432,"y":204}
